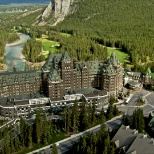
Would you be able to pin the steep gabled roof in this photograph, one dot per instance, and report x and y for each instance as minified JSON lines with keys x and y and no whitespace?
{"x":125,"y":75}
{"x":21,"y":77}
{"x":148,"y":72}
{"x":109,"y":70}
{"x":141,"y":145}
{"x":49,"y":62}
{"x":94,"y":67}
{"x":66,"y":56}
{"x":113,"y":59}
{"x":124,"y":137}
{"x":54,"y":76}
{"x":78,"y":69}
{"x":133,"y":142}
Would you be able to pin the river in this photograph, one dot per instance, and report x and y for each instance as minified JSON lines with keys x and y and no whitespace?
{"x":14,"y":57}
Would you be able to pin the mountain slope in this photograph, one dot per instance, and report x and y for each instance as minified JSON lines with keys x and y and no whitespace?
{"x":56,"y":11}
{"x":121,"y":23}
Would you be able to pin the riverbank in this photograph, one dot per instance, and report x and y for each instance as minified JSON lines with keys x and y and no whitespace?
{"x":30,"y":64}
{"x":19,"y":41}
{"x":14,"y":56}
{"x":3,"y":66}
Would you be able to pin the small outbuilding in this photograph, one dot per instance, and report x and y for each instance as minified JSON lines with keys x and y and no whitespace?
{"x":134,"y":85}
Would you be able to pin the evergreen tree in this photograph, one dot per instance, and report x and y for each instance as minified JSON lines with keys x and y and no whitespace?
{"x":38,"y":126}
{"x":54,"y":149}
{"x":6,"y":145}
{"x":93,"y":118}
{"x":17,"y":143}
{"x":102,"y":115}
{"x":112,"y":150}
{"x":29,"y":138}
{"x":83,"y":117}
{"x":22,"y":131}
{"x":107,"y":142}
{"x":12,"y":143}
{"x":44,"y":137}
{"x":137,"y":121}
{"x":115,"y":111}
{"x":109,"y":113}
{"x":141,"y":123}
{"x":125,"y":120}
{"x":89,"y":113}
{"x":75,"y":118}
{"x":68,"y":121}
{"x":65,"y":119}
{"x":83,"y":144}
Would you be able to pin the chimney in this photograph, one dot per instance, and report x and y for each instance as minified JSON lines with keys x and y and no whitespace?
{"x":135,"y":131}
{"x":144,"y":136}
{"x":127,"y":127}
{"x":152,"y":141}
{"x":117,"y":143}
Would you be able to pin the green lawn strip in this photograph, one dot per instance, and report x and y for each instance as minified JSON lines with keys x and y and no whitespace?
{"x":50,"y":46}
{"x":56,"y":138}
{"x":65,"y":34}
{"x":122,"y":56}
{"x":45,"y":36}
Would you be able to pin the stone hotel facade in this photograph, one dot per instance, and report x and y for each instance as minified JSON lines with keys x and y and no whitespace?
{"x":60,"y":77}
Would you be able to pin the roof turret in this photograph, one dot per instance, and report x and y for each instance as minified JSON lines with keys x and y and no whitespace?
{"x":113,"y":59}
{"x":125,"y":75}
{"x":109,"y":70}
{"x":54,"y":76}
{"x":66,"y":56}
{"x":148,"y":72}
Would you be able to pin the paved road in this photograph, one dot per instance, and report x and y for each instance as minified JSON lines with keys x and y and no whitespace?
{"x":147,"y":107}
{"x":65,"y":144}
{"x":136,"y":96}
{"x":114,"y":123}
{"x":150,"y":98}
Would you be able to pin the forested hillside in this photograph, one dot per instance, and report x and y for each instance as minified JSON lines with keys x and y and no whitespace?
{"x":121,"y":23}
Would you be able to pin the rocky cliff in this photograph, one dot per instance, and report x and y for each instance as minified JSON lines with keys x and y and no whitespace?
{"x":56,"y":11}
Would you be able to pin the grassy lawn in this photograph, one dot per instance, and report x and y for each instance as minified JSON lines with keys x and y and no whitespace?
{"x":65,"y":34}
{"x":122,"y":56}
{"x":48,"y":45}
{"x":45,"y":36}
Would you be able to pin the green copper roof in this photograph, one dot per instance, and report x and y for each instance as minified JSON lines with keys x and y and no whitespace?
{"x":125,"y":75}
{"x":151,"y":123}
{"x":148,"y":72}
{"x":49,"y":63}
{"x":94,"y":67}
{"x":78,"y":69}
{"x":109,"y":70}
{"x":10,"y":78}
{"x":152,"y":75}
{"x":54,"y":76}
{"x":113,"y":59}
{"x":66,"y":56}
